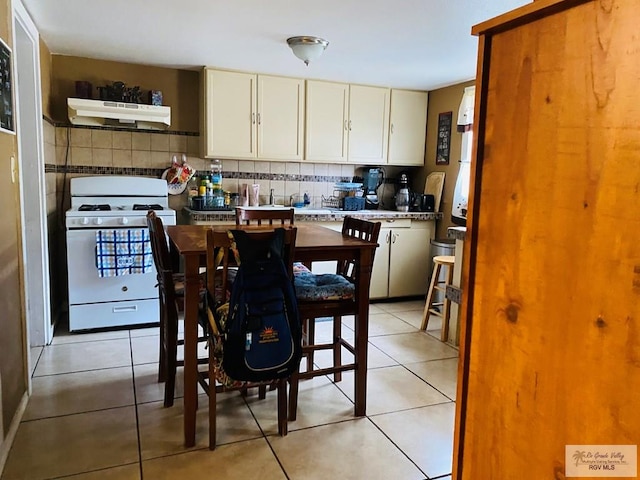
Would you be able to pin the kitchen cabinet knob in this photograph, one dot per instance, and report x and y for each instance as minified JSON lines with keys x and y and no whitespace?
{"x":253,"y":118}
{"x":349,"y":125}
{"x":388,"y":239}
{"x":393,"y":238}
{"x":392,"y":128}
{"x":259,"y":119}
{"x":345,"y":125}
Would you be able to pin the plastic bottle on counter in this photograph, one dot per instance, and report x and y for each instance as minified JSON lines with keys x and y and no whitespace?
{"x":204,"y":180}
{"x":193,"y":190}
{"x":216,"y":173}
{"x":216,"y":182}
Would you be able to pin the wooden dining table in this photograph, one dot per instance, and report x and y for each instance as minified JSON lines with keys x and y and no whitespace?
{"x":313,"y":243}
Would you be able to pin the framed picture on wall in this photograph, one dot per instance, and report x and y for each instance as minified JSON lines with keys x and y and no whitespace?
{"x":7,"y":115}
{"x":443,"y":144}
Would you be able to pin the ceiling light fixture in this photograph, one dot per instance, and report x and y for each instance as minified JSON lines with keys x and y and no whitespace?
{"x":307,"y":48}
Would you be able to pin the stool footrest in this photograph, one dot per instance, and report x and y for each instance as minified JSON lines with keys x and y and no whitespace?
{"x":435,"y":312}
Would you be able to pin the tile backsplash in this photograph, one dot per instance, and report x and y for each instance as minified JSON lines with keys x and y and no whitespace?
{"x":77,"y":151}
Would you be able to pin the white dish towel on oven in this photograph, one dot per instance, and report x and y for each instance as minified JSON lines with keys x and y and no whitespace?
{"x":123,"y":252}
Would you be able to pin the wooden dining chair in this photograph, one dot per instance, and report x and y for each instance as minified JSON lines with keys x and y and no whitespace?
{"x":328,"y":295}
{"x":171,"y":300}
{"x":271,"y":216}
{"x":220,"y":259}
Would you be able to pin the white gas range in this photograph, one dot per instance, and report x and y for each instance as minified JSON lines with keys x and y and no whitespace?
{"x":107,"y":207}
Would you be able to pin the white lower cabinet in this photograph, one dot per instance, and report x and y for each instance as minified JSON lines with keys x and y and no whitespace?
{"x":402,"y":262}
{"x":401,"y":266}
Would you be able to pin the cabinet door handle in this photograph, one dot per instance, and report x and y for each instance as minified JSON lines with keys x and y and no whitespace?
{"x":345,"y":125}
{"x":393,"y":236}
{"x":388,"y":238}
{"x":253,"y":118}
{"x":392,"y":129}
{"x":349,"y":125}
{"x":259,"y":119}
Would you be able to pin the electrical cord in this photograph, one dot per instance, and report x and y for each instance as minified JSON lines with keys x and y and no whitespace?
{"x":61,"y":218}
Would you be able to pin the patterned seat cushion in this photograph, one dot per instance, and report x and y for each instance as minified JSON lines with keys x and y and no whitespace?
{"x":311,"y":287}
{"x":300,"y":267}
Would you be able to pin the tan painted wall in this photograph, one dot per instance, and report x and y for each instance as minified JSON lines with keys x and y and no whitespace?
{"x":12,"y":372}
{"x":45,"y":78}
{"x":444,"y":100}
{"x":180,"y":88}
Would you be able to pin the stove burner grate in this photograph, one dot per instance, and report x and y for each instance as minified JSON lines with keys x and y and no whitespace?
{"x":144,"y":206}
{"x":92,"y":208}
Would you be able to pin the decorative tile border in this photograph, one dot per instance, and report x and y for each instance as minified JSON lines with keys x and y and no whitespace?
{"x":330,"y":216}
{"x":157,"y":172}
{"x":94,"y":170}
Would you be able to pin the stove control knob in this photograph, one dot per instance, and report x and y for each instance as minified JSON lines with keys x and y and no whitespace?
{"x":98,"y":221}
{"x":84,"y":221}
{"x":124,"y":220}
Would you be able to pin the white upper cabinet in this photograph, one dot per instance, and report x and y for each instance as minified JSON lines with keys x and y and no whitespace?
{"x":368,"y":124}
{"x":346,"y":123}
{"x":252,"y":116}
{"x":229,"y":115}
{"x":280,"y":118}
{"x":327,"y":117}
{"x":408,"y":126}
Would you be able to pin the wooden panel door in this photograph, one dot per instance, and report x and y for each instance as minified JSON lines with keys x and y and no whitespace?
{"x":407,"y":127}
{"x":230,"y":110}
{"x":326,"y":121}
{"x":280,"y":118}
{"x":368,"y":124}
{"x":550,"y":341}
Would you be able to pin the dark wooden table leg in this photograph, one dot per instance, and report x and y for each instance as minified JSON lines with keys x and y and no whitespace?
{"x":364,"y":266}
{"x":192,"y":287}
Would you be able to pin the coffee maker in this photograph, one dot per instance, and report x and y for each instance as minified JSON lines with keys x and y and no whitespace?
{"x":372,"y":179}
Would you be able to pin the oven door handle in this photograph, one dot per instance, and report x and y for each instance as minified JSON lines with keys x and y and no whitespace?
{"x":131,"y":308}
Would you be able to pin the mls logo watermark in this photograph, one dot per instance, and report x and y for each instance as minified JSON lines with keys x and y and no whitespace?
{"x":601,"y":461}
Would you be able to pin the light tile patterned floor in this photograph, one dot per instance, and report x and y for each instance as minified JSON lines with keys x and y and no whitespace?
{"x":96,"y":413}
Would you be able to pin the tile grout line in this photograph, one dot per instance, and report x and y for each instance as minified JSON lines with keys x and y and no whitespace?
{"x":135,"y":403}
{"x":397,"y":446}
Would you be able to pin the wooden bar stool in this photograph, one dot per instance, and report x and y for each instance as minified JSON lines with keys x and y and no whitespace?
{"x":439,"y":262}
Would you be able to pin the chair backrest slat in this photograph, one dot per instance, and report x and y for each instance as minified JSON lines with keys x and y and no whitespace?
{"x":272,"y":216}
{"x":363,"y":230}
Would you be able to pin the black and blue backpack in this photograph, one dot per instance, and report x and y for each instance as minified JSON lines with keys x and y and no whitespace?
{"x":262,"y":335}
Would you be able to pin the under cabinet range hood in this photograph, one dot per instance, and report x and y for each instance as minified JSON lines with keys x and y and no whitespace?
{"x":118,"y":114}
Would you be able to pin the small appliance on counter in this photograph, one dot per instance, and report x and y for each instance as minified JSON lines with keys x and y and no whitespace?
{"x":423,"y":202}
{"x":403,"y":196}
{"x":372,"y":179}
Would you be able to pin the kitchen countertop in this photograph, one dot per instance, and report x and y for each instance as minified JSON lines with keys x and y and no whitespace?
{"x":316,"y":214}
{"x":457,"y":233}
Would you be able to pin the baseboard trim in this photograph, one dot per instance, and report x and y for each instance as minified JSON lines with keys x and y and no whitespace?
{"x":7,"y":442}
